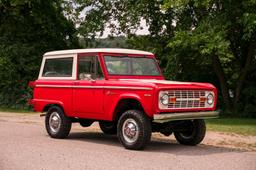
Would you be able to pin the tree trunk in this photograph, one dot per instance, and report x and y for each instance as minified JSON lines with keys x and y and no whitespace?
{"x":223,"y":82}
{"x":244,"y":72}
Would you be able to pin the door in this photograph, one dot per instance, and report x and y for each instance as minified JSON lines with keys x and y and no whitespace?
{"x":88,"y":88}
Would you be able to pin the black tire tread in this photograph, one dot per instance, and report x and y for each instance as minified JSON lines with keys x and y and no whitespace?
{"x":65,"y":126}
{"x":143,"y":123}
{"x":198,"y":137}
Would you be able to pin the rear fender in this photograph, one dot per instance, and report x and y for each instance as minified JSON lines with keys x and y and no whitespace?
{"x":41,"y":104}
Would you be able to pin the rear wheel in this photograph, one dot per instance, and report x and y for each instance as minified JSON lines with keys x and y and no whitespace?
{"x":134,"y":130}
{"x":194,"y":134}
{"x":56,"y":123}
{"x":109,"y":128}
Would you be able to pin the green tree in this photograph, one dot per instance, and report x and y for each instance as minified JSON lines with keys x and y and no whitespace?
{"x":221,"y":34}
{"x":123,"y":17}
{"x":28,"y":28}
{"x":196,"y":40}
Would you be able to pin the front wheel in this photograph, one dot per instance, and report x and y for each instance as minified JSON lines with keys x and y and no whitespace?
{"x":194,"y":133}
{"x":134,"y":130}
{"x":56,"y":123}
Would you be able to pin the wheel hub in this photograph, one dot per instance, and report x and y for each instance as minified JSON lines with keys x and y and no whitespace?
{"x":54,"y":122}
{"x":130,"y":130}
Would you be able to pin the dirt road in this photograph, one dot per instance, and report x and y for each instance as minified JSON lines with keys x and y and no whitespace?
{"x":24,"y":144}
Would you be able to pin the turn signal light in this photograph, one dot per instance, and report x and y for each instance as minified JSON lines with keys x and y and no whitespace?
{"x":172,"y":100}
{"x":202,"y":99}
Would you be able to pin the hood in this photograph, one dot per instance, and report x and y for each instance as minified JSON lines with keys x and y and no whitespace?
{"x":171,"y":84}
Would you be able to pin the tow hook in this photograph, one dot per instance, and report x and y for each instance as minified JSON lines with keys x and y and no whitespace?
{"x":42,"y":115}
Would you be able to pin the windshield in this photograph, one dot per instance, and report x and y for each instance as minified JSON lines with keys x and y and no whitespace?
{"x":124,"y":65}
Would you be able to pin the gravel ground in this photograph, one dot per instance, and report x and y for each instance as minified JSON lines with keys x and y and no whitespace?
{"x":24,"y":144}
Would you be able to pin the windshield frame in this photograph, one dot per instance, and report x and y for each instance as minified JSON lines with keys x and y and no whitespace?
{"x":160,"y":76}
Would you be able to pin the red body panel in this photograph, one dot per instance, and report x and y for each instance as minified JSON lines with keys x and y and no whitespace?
{"x":98,"y":99}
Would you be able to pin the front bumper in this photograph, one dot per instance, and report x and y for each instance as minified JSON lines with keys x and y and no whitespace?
{"x":167,"y":117}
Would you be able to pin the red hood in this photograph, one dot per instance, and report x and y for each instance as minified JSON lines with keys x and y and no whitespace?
{"x":166,"y":84}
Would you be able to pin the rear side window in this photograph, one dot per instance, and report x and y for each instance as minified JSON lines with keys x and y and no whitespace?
{"x":58,"y":67}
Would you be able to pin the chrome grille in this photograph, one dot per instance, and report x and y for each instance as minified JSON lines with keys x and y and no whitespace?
{"x":185,"y":99}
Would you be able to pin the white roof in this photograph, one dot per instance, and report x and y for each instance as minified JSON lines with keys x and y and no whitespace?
{"x":98,"y":50}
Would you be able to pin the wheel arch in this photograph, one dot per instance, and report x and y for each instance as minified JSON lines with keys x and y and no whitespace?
{"x":48,"y":106}
{"x":127,"y":103}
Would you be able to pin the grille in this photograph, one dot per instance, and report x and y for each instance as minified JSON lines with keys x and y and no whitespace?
{"x":186,"y":99}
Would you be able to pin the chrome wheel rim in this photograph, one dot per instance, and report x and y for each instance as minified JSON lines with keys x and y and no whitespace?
{"x":130,"y":130}
{"x":54,"y":122}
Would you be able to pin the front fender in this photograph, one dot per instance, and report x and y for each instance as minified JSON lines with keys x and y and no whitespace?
{"x":129,"y":96}
{"x":145,"y":102}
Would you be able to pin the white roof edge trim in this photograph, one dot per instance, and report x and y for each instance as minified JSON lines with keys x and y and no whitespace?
{"x":98,"y":50}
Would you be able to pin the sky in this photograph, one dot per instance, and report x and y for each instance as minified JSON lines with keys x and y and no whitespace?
{"x":143,"y":31}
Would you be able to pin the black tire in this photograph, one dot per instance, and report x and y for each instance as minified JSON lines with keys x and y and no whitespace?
{"x":63,"y":127}
{"x":143,"y":125}
{"x":109,"y":128}
{"x":194,"y":135}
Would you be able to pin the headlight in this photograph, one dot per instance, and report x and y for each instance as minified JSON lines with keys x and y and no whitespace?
{"x":164,"y":99}
{"x":210,"y":99}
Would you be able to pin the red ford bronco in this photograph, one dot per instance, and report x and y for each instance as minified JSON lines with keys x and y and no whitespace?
{"x":125,"y":91}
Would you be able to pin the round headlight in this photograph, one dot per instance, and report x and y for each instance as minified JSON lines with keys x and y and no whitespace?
{"x":164,"y":99}
{"x":210,"y":99}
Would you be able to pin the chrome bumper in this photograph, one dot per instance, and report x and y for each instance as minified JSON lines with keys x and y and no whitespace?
{"x":167,"y":117}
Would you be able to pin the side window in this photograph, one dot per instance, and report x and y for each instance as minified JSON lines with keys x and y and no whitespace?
{"x":89,"y":68}
{"x":58,"y":67}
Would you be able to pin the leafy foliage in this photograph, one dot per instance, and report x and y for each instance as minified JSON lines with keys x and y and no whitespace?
{"x":27,"y":30}
{"x":109,"y":42}
{"x":203,"y":40}
{"x":124,"y":17}
{"x":195,"y":40}
{"x":220,"y":34}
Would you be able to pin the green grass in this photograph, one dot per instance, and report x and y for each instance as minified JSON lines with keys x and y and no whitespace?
{"x":235,"y":125}
{"x":5,"y":109}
